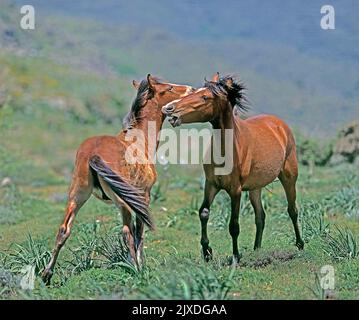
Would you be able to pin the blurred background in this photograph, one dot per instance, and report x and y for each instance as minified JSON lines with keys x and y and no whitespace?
{"x":70,"y":77}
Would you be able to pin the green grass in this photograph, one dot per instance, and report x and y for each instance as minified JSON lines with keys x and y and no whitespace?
{"x":174,"y":267}
{"x":37,"y":149}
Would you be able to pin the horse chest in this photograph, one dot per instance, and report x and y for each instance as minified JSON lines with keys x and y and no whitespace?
{"x":225,"y":182}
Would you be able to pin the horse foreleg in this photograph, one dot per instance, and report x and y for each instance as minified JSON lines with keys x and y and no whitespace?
{"x":255,"y":198}
{"x":234,"y":225}
{"x":210,"y":192}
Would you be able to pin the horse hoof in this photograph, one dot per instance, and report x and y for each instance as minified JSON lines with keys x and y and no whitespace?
{"x":300,"y":244}
{"x":46,"y":276}
{"x":234,"y":260}
{"x":208,"y":254}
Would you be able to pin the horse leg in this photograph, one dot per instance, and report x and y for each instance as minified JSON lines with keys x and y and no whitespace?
{"x":128,"y":229}
{"x":78,"y":195}
{"x":234,"y":225}
{"x":210,"y":192}
{"x":128,"y":234}
{"x":255,"y":198}
{"x":139,"y":237}
{"x":288,"y":178}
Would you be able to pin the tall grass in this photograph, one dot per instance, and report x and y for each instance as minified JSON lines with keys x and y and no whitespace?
{"x":341,"y":244}
{"x":115,"y":252}
{"x":344,"y":200}
{"x":31,"y":253}
{"x":84,"y":255}
{"x":312,"y":221}
{"x":192,"y":283}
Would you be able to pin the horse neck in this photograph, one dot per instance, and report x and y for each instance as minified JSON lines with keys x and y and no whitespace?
{"x":224,"y":121}
{"x":150,"y":123}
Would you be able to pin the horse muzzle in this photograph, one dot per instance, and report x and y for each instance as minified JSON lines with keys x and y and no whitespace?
{"x":168,"y":110}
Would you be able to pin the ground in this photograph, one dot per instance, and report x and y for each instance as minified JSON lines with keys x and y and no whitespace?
{"x":38,"y":141}
{"x":174,"y":267}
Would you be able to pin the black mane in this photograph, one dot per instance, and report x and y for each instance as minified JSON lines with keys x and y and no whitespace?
{"x":232,"y":90}
{"x":144,"y":93}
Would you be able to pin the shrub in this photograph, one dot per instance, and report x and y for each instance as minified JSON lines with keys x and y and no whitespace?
{"x":312,"y":152}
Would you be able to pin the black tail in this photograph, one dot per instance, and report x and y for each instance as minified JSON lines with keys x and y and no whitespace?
{"x":129,"y":194}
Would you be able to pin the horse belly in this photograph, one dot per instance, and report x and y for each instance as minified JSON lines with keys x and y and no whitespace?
{"x":263,"y":171}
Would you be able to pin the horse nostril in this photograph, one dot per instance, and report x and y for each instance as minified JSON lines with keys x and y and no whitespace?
{"x":170,"y":108}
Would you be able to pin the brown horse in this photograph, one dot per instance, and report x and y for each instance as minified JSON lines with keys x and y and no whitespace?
{"x":263,"y":149}
{"x":103,"y":170}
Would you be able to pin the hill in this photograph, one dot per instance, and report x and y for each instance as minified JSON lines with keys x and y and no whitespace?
{"x":292,"y":67}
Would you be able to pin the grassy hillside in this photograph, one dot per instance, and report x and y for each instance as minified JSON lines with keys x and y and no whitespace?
{"x":290,"y":69}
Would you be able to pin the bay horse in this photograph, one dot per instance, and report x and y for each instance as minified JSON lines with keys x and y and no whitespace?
{"x":101,"y":169}
{"x":263,"y":149}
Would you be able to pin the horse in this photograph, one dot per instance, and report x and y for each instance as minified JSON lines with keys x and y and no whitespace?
{"x":263,"y":149}
{"x":102,"y":169}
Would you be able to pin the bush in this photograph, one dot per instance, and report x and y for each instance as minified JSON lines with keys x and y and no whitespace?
{"x":312,"y":152}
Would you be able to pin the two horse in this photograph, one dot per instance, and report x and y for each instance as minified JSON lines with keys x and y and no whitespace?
{"x":264,"y":149}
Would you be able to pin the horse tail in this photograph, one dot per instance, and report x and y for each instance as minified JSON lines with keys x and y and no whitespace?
{"x":132,"y":196}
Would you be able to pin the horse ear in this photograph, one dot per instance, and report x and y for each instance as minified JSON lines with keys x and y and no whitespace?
{"x":151,"y":82}
{"x":136,"y":84}
{"x":215,"y":77}
{"x":229,"y":82}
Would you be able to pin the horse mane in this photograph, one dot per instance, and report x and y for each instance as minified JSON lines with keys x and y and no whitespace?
{"x":144,"y":93}
{"x":230,"y":89}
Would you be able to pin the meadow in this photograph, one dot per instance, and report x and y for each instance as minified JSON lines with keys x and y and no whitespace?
{"x":71,"y":79}
{"x":39,"y":137}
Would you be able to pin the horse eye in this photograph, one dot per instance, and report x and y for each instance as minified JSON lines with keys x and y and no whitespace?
{"x":204,"y":98}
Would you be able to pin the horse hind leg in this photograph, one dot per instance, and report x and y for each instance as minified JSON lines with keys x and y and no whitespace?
{"x":78,"y":195}
{"x":129,"y":229}
{"x":255,"y":199}
{"x":288,"y":178}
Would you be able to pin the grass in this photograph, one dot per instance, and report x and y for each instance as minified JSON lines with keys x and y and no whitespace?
{"x":93,"y":264}
{"x":31,"y":253}
{"x":341,"y":244}
{"x":192,"y":282}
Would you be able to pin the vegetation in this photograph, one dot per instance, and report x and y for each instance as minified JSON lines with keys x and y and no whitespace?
{"x":50,"y":107}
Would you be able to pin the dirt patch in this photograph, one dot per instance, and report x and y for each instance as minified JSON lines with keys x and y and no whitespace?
{"x":267,"y":259}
